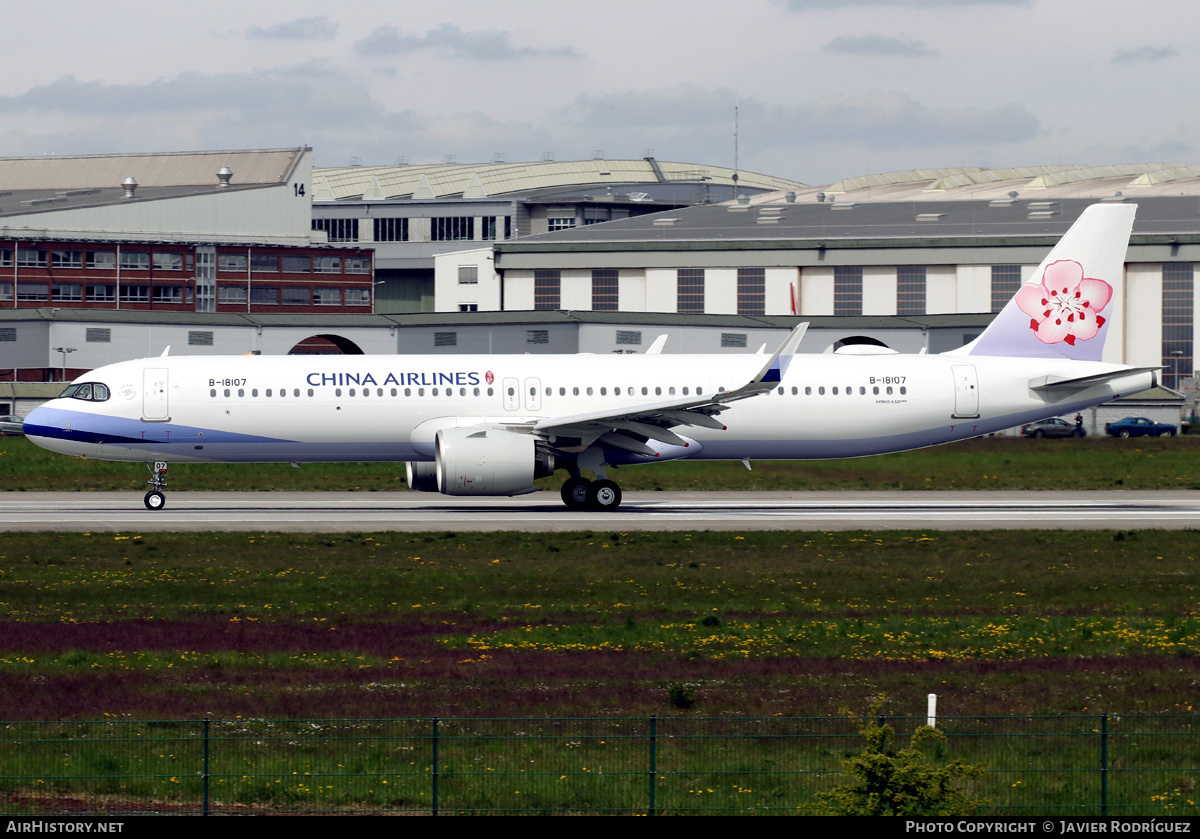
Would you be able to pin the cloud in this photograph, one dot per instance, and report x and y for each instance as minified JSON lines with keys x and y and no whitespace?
{"x":448,"y":39}
{"x":834,"y":5}
{"x":878,"y":45}
{"x":1144,"y":55}
{"x":319,"y":28}
{"x":875,"y":120}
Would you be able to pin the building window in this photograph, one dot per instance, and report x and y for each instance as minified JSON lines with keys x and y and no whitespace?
{"x":30,"y":258}
{"x":847,"y":290}
{"x":605,"y":283}
{"x":453,"y":229}
{"x":357,"y":296}
{"x":66,"y":292}
{"x":5,"y":257}
{"x":488,"y":225}
{"x":95,"y":335}
{"x":200,"y":339}
{"x":168,"y":294}
{"x":537,"y":336}
{"x":323,"y":296}
{"x":103,"y":293}
{"x":468,"y":274}
{"x":297,"y":295}
{"x":358,"y":265}
{"x":338,"y":229}
{"x":168,"y":261}
{"x":6,"y":291}
{"x":1006,"y":282}
{"x":264,"y":263}
{"x":264,"y":295}
{"x":910,"y":290}
{"x":445,"y":339}
{"x":297,"y":264}
{"x":327,"y":264}
{"x":733,"y":339}
{"x":751,"y":291}
{"x":134,"y":261}
{"x":468,"y":307}
{"x":547,"y":288}
{"x":33,"y":291}
{"x":391,"y":230}
{"x":1178,"y":307}
{"x":102,"y":260}
{"x":66,"y":259}
{"x":233,"y":263}
{"x":231,"y":295}
{"x":135,"y":293}
{"x":629,"y":337}
{"x":690,"y":290}
{"x":561,"y":223}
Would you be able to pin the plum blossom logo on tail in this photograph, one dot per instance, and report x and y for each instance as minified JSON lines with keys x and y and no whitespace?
{"x":1065,"y":305}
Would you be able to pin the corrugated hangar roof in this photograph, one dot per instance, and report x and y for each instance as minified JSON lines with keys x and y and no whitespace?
{"x":480,"y":180}
{"x":170,"y":169}
{"x":1031,"y":183}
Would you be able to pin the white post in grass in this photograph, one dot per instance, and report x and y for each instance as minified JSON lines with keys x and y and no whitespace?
{"x":931,"y":711}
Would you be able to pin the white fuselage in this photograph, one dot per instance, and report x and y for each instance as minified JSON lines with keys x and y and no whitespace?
{"x":389,"y":408}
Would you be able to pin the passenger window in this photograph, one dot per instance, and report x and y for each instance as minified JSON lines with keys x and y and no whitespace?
{"x":296,"y":392}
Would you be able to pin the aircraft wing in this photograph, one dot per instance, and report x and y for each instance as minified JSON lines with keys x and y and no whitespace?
{"x":655,"y":420}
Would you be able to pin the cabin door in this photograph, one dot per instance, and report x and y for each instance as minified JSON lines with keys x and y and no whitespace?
{"x":966,"y":391}
{"x":154,"y":395}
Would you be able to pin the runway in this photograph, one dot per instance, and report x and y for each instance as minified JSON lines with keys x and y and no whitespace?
{"x":675,"y":511}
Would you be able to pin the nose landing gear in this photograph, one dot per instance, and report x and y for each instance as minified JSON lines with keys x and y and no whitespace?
{"x":155,"y":500}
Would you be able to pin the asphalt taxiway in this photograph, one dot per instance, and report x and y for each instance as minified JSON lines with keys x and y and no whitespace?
{"x":543,"y":511}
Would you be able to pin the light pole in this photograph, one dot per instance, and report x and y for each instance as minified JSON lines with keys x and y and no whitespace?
{"x":64,"y":351}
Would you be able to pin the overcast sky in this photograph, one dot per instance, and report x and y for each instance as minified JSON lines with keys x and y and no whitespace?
{"x":825,"y":89}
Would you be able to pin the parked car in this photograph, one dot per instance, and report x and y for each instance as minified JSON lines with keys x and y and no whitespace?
{"x":10,"y":424}
{"x":1053,"y":427}
{"x":1139,"y":427}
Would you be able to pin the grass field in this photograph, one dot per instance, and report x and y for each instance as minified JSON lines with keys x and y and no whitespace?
{"x":584,"y":624}
{"x":131,"y":627}
{"x":1006,"y":463}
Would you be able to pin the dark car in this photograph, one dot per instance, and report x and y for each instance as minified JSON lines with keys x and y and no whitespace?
{"x":1139,"y":427}
{"x":1053,"y":427}
{"x":11,"y":425}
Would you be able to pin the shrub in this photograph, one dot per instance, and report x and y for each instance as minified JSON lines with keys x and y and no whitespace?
{"x":884,"y":781}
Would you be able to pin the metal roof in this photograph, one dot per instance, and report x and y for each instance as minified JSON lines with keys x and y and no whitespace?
{"x":169,"y":169}
{"x":480,"y":180}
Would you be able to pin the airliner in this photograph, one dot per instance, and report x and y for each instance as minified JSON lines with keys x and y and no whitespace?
{"x":491,"y":425}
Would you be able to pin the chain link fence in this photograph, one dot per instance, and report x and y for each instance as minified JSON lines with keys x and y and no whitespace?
{"x":1039,"y":765}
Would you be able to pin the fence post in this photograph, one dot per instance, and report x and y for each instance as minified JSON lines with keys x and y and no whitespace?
{"x":435,"y":765}
{"x":1104,"y":764}
{"x":653,"y":760}
{"x":206,"y":766}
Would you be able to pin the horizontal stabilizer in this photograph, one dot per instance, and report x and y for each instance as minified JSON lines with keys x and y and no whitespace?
{"x":1053,"y":383}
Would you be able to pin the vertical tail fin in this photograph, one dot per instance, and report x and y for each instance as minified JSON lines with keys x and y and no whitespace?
{"x":1064,"y":308}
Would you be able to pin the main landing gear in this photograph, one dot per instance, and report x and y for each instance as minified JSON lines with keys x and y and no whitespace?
{"x":155,"y":500}
{"x":582,"y":494}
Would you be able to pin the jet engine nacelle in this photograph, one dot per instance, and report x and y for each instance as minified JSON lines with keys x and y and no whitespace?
{"x":485,"y":461}
{"x":422,"y":476}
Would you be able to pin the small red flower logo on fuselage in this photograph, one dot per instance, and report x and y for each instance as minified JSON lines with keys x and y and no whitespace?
{"x":1065,"y":305}
{"x":490,"y":378}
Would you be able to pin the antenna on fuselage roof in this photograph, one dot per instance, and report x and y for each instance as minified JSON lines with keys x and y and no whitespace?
{"x":657,"y":347}
{"x":164,"y":352}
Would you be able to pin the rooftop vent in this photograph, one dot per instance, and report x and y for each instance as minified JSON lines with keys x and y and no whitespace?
{"x":790,"y":197}
{"x":130,"y":186}
{"x":224,"y":174}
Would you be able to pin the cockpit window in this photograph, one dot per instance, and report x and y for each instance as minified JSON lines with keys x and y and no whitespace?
{"x":87,"y":391}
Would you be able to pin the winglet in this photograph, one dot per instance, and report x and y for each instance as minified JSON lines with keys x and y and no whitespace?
{"x":774,"y":369}
{"x":166,"y":351}
{"x":657,"y":347}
